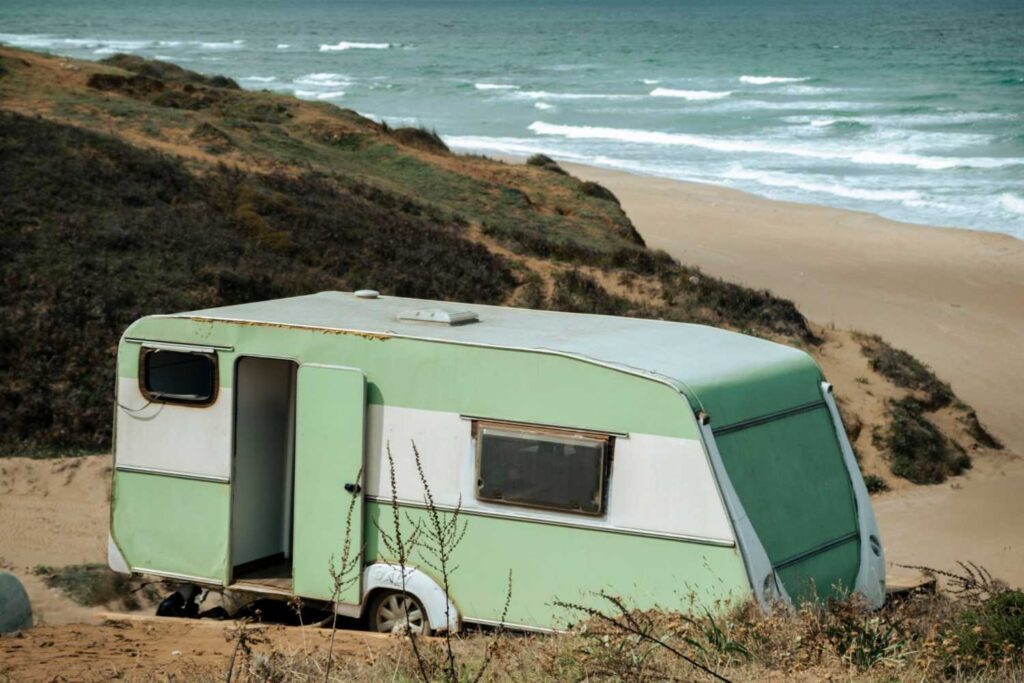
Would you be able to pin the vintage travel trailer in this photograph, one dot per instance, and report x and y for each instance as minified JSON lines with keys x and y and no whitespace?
{"x":672,"y":464}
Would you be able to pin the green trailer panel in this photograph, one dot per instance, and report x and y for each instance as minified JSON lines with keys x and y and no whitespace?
{"x":553,"y":562}
{"x":790,"y":475}
{"x":172,"y":525}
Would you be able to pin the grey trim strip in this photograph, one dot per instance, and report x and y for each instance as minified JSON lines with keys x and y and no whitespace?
{"x":828,"y":545}
{"x":177,"y":345}
{"x":770,"y":417}
{"x":170,"y":473}
{"x":180,"y":577}
{"x":552,"y":522}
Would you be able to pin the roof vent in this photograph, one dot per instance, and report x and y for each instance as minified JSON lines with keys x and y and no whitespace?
{"x":440,"y":315}
{"x":367,"y":293}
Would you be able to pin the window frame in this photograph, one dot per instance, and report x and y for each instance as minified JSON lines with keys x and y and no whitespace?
{"x":556,"y":434}
{"x":178,"y":399}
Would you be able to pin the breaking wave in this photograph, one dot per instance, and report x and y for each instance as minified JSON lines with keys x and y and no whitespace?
{"x":695,"y":95}
{"x":734,"y":145}
{"x":769,"y":80}
{"x":347,"y":45}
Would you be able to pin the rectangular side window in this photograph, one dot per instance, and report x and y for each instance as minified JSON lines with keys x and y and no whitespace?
{"x":178,"y":376}
{"x":539,"y":468}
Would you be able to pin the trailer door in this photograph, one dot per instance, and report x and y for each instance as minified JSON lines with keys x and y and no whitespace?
{"x":329,"y":449}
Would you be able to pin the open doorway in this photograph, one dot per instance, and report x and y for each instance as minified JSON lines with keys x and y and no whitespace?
{"x":262,"y":474}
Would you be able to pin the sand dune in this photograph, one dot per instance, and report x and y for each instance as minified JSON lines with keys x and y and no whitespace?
{"x":954,"y":298}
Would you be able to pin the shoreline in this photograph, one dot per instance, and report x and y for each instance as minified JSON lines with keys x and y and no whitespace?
{"x":953,"y":297}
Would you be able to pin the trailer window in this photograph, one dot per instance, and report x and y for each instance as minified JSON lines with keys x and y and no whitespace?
{"x":178,"y":376}
{"x":540,"y":469}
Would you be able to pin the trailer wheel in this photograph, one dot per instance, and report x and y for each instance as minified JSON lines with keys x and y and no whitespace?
{"x":393,"y":612}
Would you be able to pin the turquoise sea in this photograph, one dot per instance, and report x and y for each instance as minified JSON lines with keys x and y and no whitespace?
{"x":912,"y":109}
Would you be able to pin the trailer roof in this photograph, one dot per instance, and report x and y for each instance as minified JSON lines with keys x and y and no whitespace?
{"x":720,"y":371}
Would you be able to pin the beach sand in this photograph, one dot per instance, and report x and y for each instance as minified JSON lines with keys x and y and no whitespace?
{"x":954,"y":298}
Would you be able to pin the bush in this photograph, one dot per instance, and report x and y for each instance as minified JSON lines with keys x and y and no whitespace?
{"x":903,"y":370}
{"x":545,"y":162}
{"x":577,"y":292}
{"x":592,"y":189}
{"x":91,"y":585}
{"x":915,"y":448}
{"x":420,"y":138}
{"x":875,"y":484}
{"x":165,"y":71}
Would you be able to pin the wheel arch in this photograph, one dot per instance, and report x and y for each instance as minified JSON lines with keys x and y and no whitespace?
{"x":382,"y":577}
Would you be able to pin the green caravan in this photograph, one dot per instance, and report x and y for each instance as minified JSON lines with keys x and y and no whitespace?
{"x":675,"y":465}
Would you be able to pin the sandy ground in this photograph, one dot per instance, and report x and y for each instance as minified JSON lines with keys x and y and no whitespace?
{"x":954,"y":298}
{"x":975,"y":517}
{"x":159,"y":649}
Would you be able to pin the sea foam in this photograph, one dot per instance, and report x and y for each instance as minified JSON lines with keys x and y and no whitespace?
{"x":695,"y":95}
{"x":820,"y":185}
{"x":347,"y":45}
{"x":495,"y":86}
{"x":740,"y":145}
{"x":769,"y":80}
{"x":544,"y":95}
{"x":323,"y":80}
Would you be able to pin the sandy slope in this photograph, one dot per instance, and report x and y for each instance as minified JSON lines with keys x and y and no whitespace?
{"x":53,"y":512}
{"x":954,"y":298}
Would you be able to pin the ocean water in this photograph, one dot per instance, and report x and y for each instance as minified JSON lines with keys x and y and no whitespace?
{"x":912,"y":109}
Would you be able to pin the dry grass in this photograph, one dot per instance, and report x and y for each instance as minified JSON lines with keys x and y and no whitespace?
{"x":974,"y":631}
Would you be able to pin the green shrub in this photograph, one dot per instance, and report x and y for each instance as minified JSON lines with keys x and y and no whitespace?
{"x":978,"y":432}
{"x":545,"y":162}
{"x":577,"y":292}
{"x":598,"y":191}
{"x":418,"y":137}
{"x":89,"y":585}
{"x":903,"y":370}
{"x":875,"y":484}
{"x":915,"y":448}
{"x":994,"y":629}
{"x":165,"y":71}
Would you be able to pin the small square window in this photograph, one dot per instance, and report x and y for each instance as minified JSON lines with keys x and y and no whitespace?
{"x":541,"y":469}
{"x":178,"y":376}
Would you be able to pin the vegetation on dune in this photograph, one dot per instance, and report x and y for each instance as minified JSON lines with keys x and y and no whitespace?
{"x":905,"y":371}
{"x":915,"y":447}
{"x":165,"y":71}
{"x":95,"y":233}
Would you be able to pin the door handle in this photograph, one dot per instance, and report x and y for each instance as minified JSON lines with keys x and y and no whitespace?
{"x":353,"y":488}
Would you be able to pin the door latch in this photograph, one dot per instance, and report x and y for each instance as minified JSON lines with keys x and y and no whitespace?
{"x":353,"y":488}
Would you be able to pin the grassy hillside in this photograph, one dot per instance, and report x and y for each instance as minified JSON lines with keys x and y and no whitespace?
{"x":134,"y":187}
